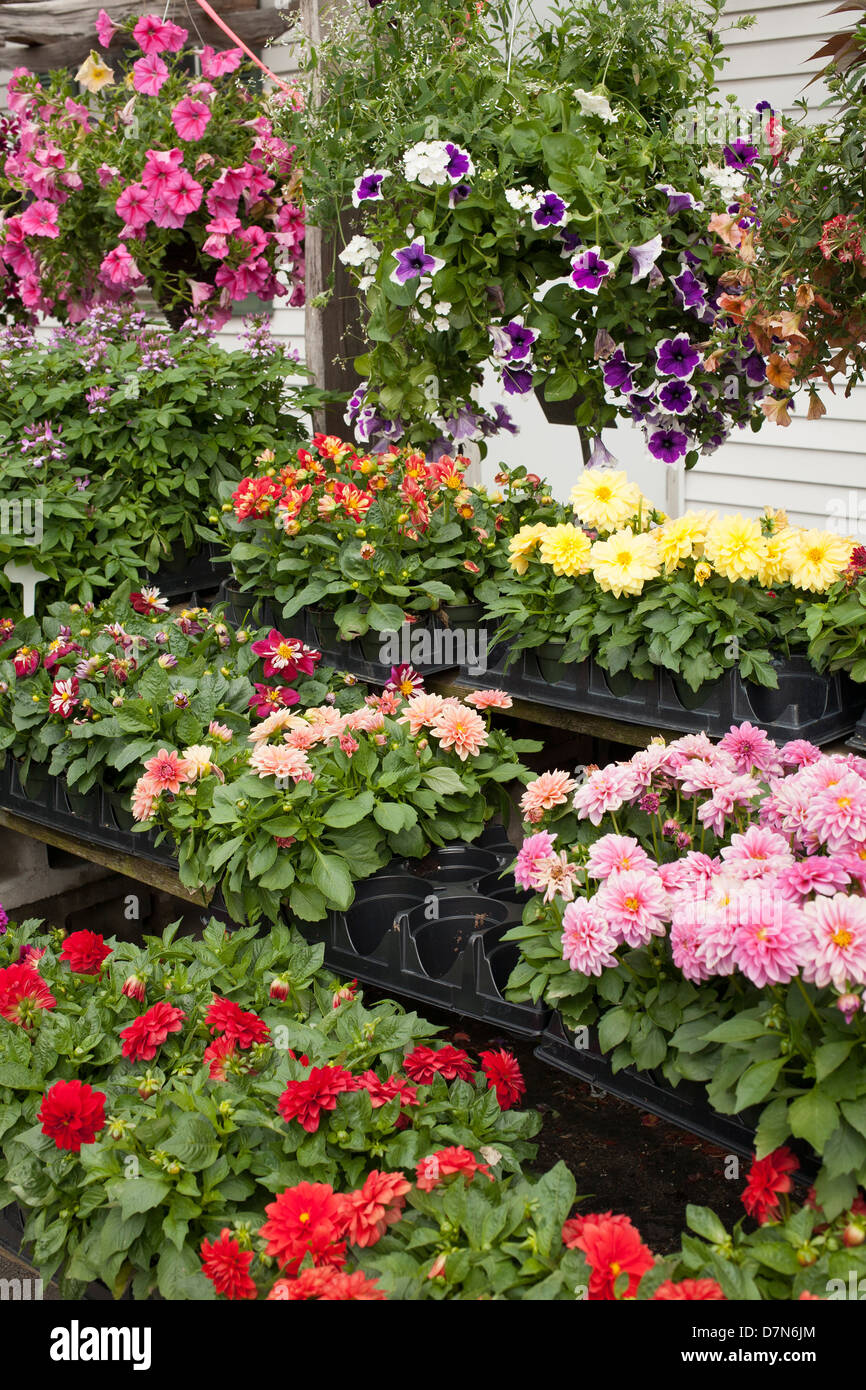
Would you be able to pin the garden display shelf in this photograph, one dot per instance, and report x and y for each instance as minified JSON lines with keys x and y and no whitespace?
{"x":317,"y":628}
{"x":806,"y":704}
{"x":433,"y":929}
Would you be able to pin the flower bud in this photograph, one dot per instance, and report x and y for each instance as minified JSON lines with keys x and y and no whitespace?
{"x":279,"y":987}
{"x":133,"y":987}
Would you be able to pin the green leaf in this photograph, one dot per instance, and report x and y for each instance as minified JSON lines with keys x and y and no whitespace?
{"x":194,"y":1142}
{"x":348,"y":811}
{"x":813,"y":1117}
{"x":757,"y":1081}
{"x":140,"y":1194}
{"x":331,"y":876}
{"x":614,"y":1028}
{"x":705,"y":1223}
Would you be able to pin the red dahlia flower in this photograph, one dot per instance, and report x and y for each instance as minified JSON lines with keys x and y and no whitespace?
{"x":612,"y":1247}
{"x":424,"y":1063}
{"x":216,"y":1054}
{"x":328,"y":1285}
{"x":305,"y":1100}
{"x":769,"y":1178}
{"x":374,"y":1207}
{"x":247,"y":1029}
{"x":690,"y":1289}
{"x":148,"y":1032}
{"x":445,"y":1162}
{"x":306,"y":1219}
{"x":22,"y":992}
{"x":72,"y":1114}
{"x":85,"y":951}
{"x":380,"y":1092}
{"x":504,"y":1076}
{"x":227,"y":1266}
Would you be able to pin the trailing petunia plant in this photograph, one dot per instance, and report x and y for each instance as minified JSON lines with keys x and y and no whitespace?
{"x":535,"y":205}
{"x":145,"y":172}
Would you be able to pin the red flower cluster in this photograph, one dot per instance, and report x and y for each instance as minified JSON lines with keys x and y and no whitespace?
{"x":227,"y":1266}
{"x":85,"y":951}
{"x":216,"y":1054}
{"x":72,"y":1114}
{"x":613,"y":1248}
{"x":381,"y":1092}
{"x":247,"y":1029}
{"x":433,"y":1169}
{"x":504,"y":1076}
{"x":374,"y":1207}
{"x":22,"y":992}
{"x":692,"y":1290}
{"x":148,"y":1032}
{"x":305,"y":1220}
{"x":423,"y":1064}
{"x":842,"y":237}
{"x":328,"y":1285}
{"x":305,"y":1100}
{"x":769,"y":1178}
{"x":254,"y":497}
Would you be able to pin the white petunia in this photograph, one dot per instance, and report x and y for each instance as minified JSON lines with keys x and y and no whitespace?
{"x":358,"y":251}
{"x":594,"y":104}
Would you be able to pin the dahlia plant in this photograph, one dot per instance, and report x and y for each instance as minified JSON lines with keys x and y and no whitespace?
{"x":703,"y":907}
{"x":528,"y":200}
{"x":320,"y":798}
{"x":88,"y":692}
{"x":371,"y":537}
{"x":152,"y":1095}
{"x":697,"y":594}
{"x":167,"y":174}
{"x":115,"y":437}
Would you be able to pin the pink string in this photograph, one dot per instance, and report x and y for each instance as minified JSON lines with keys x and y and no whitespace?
{"x":212,"y":14}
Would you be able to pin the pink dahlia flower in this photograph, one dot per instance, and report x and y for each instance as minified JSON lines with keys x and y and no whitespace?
{"x":588,"y":944}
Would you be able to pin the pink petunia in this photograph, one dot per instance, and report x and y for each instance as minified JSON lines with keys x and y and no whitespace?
{"x":837,"y":949}
{"x":219,"y":64}
{"x":118,"y":268}
{"x":105,"y":29}
{"x":181,"y":194}
{"x":190,"y":118}
{"x":588,"y":944}
{"x":149,"y":75}
{"x":155,"y":35}
{"x":40,"y":219}
{"x":135,"y":206}
{"x":159,"y":165}
{"x":615,"y":854}
{"x":532,"y":851}
{"x":635,"y":906}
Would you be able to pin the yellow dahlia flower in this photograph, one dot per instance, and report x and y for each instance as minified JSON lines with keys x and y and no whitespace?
{"x":702,"y":573}
{"x":521,"y":546}
{"x":604,"y":498}
{"x":683,"y":538}
{"x":775,"y":567}
{"x":735,"y":547}
{"x":817,"y":559}
{"x":624,"y":562}
{"x":566,"y":549}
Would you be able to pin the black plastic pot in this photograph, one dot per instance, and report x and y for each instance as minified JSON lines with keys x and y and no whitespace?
{"x":484,"y":911}
{"x":801,"y":687}
{"x":696,"y":699}
{"x":503,"y":889}
{"x":619,"y":683}
{"x":550,"y":663}
{"x":439,"y":944}
{"x":460,"y":864}
{"x":463,"y":617}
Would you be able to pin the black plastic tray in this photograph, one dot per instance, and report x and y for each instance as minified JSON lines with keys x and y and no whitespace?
{"x":197,"y":580}
{"x":344,"y":656}
{"x":685,"y":1105}
{"x":91,"y":816}
{"x":433,"y":929}
{"x":806,"y":705}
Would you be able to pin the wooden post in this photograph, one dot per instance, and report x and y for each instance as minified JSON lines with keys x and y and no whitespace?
{"x":332,"y":332}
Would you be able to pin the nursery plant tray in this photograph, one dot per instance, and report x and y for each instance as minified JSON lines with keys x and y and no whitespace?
{"x":196,"y":578}
{"x":359,"y":656}
{"x":685,"y":1105}
{"x":806,"y":704}
{"x":433,"y":929}
{"x":94,"y":817}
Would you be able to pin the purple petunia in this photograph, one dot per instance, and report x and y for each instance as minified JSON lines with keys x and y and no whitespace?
{"x":459,"y":193}
{"x":677,"y":201}
{"x":641,"y":404}
{"x":549,"y":210}
{"x":668,"y":445}
{"x":755,"y":369}
{"x":689,"y":290}
{"x":676,"y":397}
{"x":570,"y":242}
{"x":740,"y":154}
{"x":617,"y":372}
{"x":644,"y":257}
{"x":520,"y":339}
{"x":413,"y":261}
{"x":516,"y":381}
{"x":588,"y":270}
{"x":677,"y":357}
{"x":498,"y":420}
{"x":369,"y":186}
{"x":600,"y":456}
{"x":459,"y":163}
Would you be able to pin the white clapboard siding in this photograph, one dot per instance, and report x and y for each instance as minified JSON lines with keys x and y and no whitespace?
{"x":773,"y":59}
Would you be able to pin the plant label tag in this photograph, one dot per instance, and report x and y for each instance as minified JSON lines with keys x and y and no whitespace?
{"x":28,"y":578}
